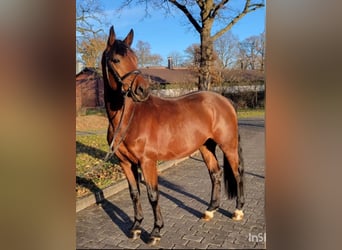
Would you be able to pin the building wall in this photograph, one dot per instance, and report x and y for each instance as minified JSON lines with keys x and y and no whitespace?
{"x":89,"y":90}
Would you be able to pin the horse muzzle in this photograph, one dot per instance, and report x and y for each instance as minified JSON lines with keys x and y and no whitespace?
{"x":141,"y":93}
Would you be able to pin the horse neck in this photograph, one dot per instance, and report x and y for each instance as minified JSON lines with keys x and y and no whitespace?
{"x":117,"y":106}
{"x":113,"y":101}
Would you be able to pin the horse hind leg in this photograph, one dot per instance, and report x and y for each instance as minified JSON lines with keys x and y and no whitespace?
{"x":215,"y":172}
{"x":233,"y":176}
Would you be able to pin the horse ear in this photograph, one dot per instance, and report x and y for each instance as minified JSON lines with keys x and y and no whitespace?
{"x":129,"y":38}
{"x":111,"y":37}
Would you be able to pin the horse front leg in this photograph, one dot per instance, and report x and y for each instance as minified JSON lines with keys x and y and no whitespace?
{"x":131,"y":172}
{"x":149,"y":170}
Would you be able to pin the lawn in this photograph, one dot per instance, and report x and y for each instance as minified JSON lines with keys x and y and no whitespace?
{"x":90,"y":150}
{"x":90,"y":168}
{"x":251,"y":113}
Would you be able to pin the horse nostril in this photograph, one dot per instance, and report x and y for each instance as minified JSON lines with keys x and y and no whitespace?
{"x":140,"y":90}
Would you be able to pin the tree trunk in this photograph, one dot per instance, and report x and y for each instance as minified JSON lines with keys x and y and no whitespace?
{"x":206,"y":58}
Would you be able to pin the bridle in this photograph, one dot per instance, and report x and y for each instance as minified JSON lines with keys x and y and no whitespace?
{"x":129,"y":91}
{"x":120,"y":80}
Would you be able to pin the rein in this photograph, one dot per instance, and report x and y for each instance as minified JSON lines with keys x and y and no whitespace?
{"x":116,"y":133}
{"x":111,"y":151}
{"x":118,"y":79}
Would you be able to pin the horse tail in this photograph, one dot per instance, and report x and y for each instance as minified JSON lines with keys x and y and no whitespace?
{"x":229,"y":177}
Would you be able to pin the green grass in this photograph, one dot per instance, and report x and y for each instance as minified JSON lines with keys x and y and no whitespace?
{"x":90,"y":151}
{"x":96,"y":111}
{"x":251,"y":113}
{"x":92,"y":111}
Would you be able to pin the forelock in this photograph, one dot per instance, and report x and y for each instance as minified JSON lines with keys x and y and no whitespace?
{"x":120,"y":48}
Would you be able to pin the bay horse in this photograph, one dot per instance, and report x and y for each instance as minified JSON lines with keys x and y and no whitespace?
{"x":144,"y":128}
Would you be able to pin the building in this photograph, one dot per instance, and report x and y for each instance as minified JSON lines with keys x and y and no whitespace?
{"x":89,"y":83}
{"x":89,"y":89}
{"x":163,"y":76}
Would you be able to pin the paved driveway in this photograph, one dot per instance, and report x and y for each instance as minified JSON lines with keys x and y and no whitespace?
{"x":184,"y":196}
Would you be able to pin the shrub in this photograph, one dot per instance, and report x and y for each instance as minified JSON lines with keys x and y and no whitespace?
{"x":248,"y":99}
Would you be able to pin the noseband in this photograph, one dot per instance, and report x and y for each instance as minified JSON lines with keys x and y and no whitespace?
{"x":120,"y":80}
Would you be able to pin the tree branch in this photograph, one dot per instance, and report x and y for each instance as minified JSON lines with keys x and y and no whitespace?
{"x":200,"y":3}
{"x":187,"y":14}
{"x":246,"y":10}
{"x":218,"y":7}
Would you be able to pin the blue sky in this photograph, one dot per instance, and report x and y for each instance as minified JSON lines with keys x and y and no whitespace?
{"x":171,"y":33}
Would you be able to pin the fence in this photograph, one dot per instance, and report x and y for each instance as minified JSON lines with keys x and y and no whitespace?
{"x":221,"y":90}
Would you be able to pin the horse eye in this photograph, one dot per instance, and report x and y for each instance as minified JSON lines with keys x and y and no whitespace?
{"x":115,"y":60}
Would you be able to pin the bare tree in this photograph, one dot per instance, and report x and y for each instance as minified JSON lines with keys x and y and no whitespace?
{"x":89,"y":16}
{"x":193,"y":56}
{"x":227,"y":49}
{"x":145,"y":57}
{"x":91,"y":51}
{"x":143,"y":51}
{"x":202,"y":14}
{"x":248,"y":53}
{"x":177,"y":58}
{"x":155,"y":60}
{"x":261,"y":51}
{"x":252,"y":52}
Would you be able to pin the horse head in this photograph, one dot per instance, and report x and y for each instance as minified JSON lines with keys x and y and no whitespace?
{"x":120,"y":68}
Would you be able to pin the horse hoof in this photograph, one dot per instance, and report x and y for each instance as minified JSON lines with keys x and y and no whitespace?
{"x":238,"y":215}
{"x":208,"y":215}
{"x":153,"y":241}
{"x":135,"y":234}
